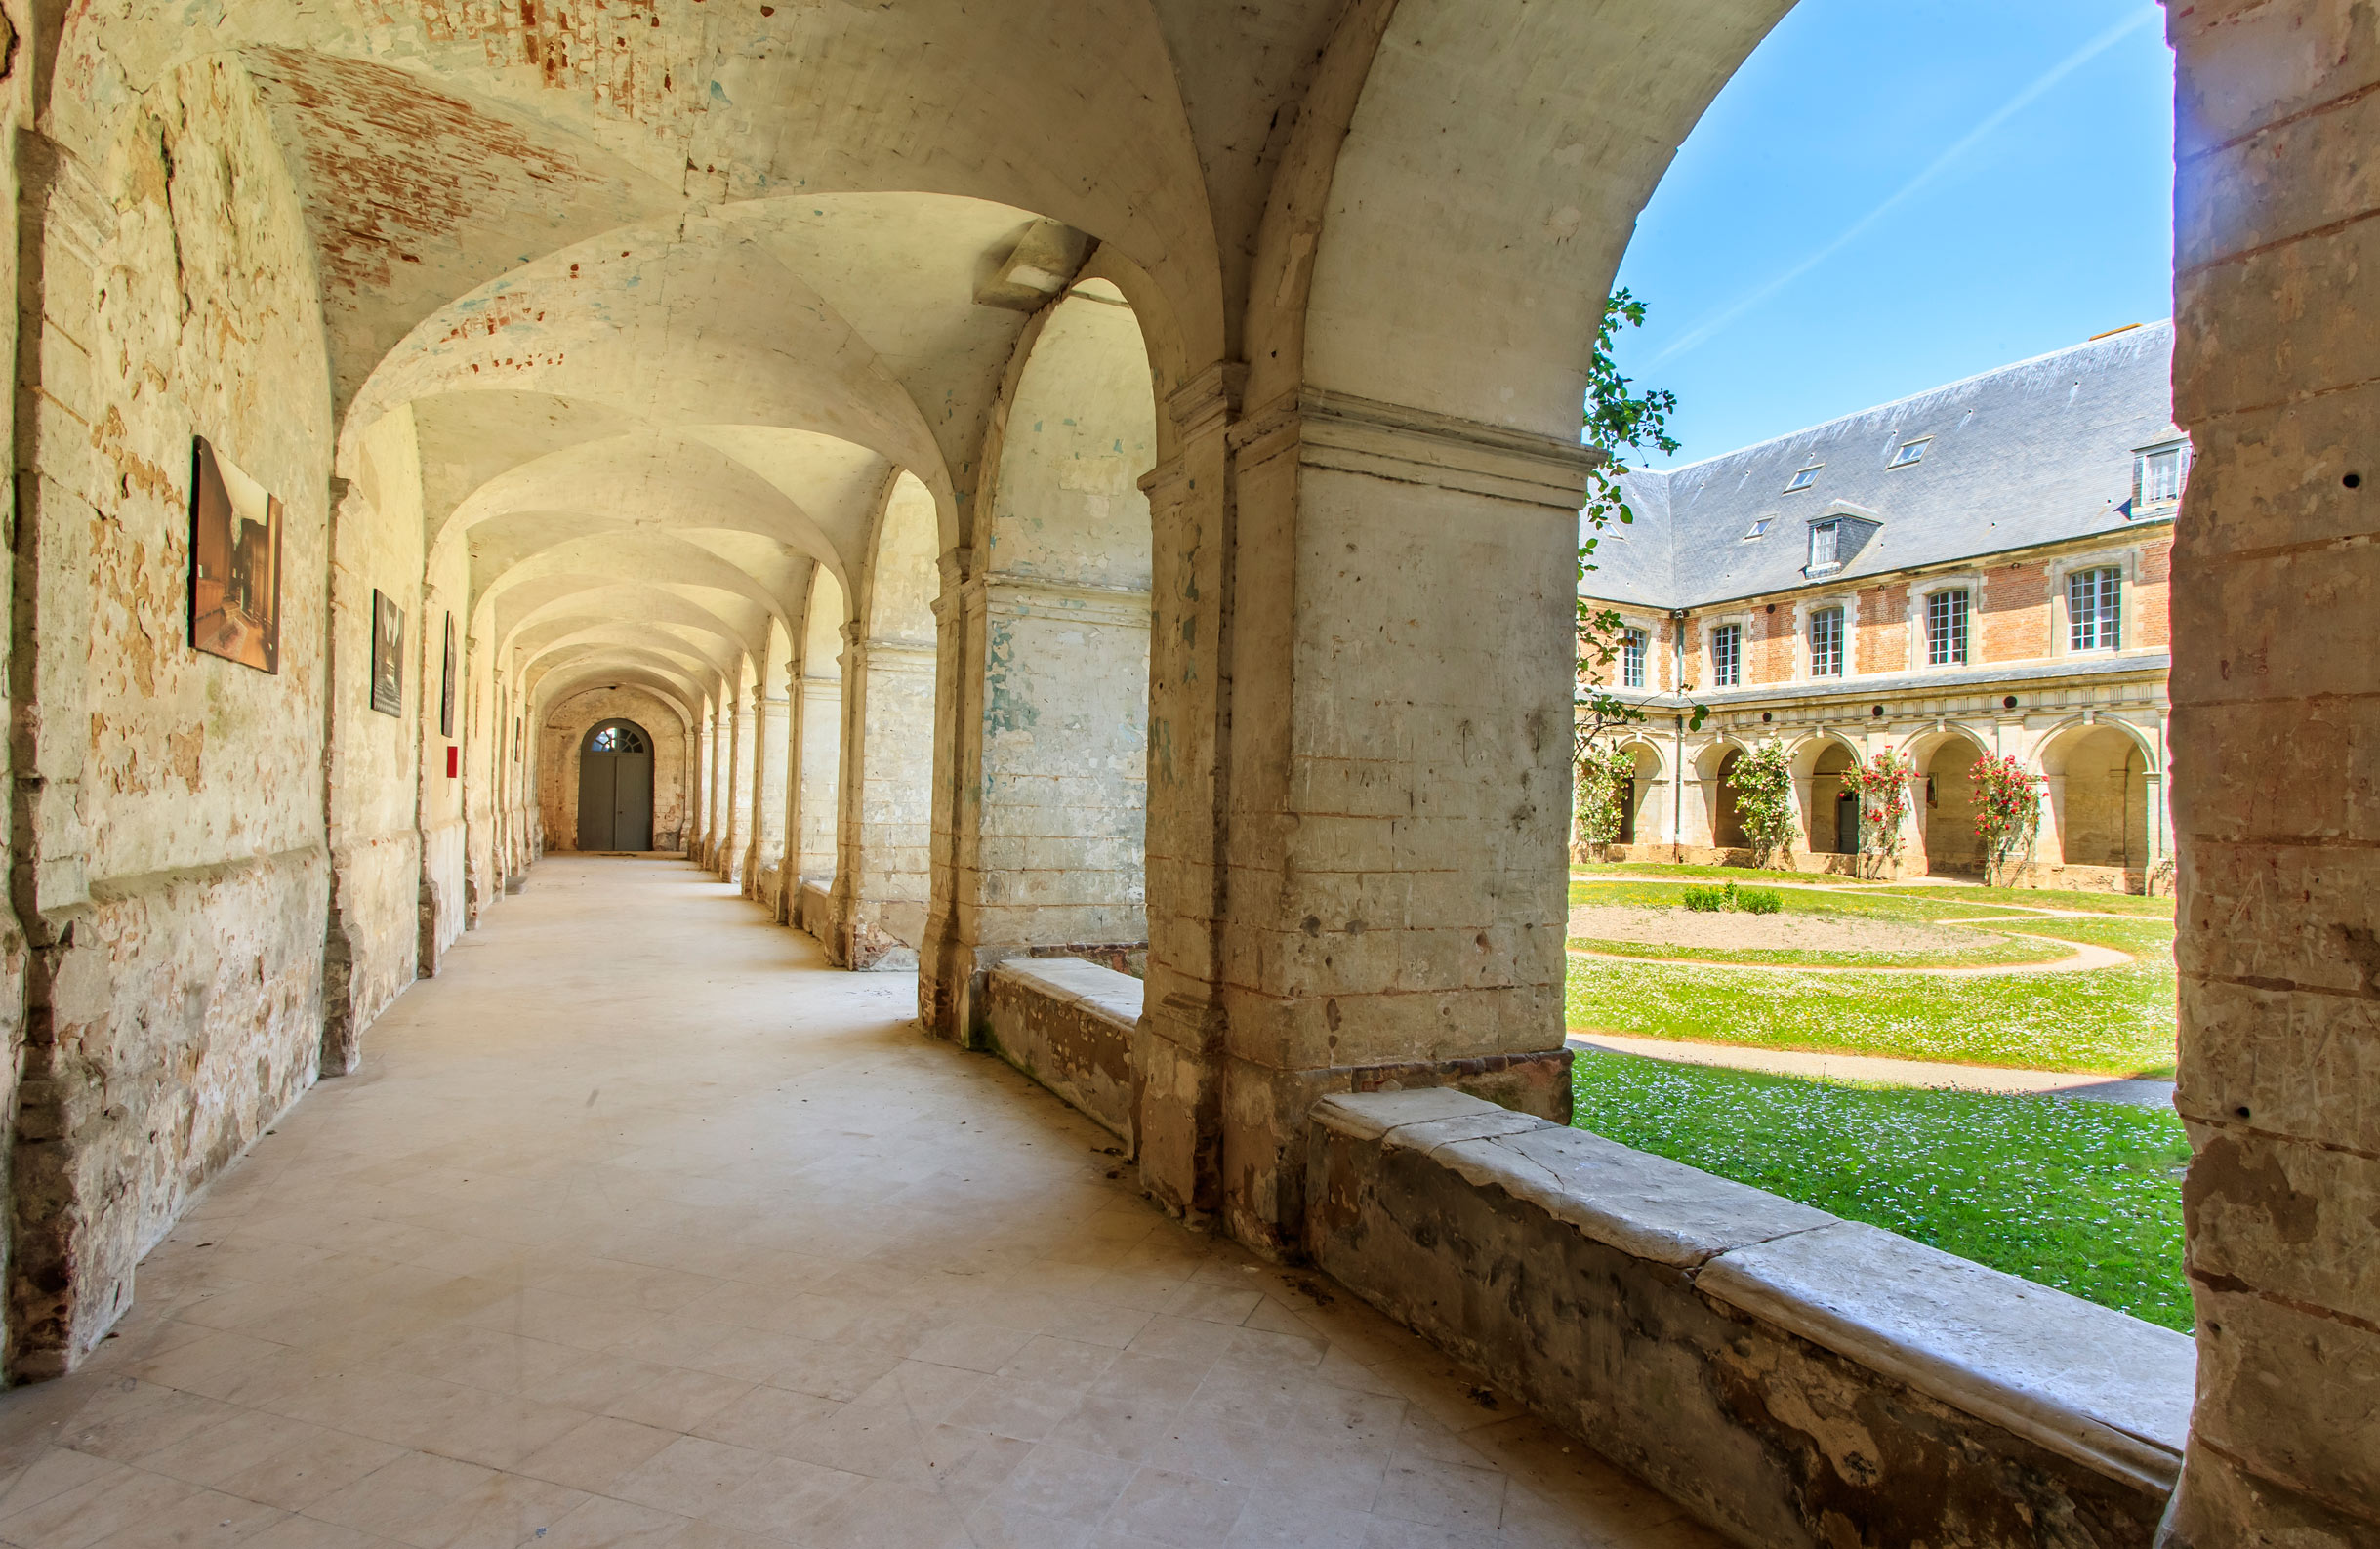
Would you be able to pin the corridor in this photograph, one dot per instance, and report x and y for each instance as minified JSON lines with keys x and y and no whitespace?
{"x":639,"y":1226}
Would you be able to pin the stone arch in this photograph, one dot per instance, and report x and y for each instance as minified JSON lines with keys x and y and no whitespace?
{"x":1823,"y":764}
{"x":2099,"y":778}
{"x":565,"y":722}
{"x":1712,"y":766}
{"x":1641,"y":806}
{"x":884,"y":841}
{"x":1945,"y":798}
{"x":1051,"y":711}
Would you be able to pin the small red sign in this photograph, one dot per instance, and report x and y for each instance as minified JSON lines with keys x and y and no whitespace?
{"x":454,"y":761}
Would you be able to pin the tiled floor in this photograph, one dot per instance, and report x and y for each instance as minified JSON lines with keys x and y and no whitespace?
{"x":642,"y":1228}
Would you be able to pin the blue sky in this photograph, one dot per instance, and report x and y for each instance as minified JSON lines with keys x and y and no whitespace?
{"x":1893,"y":194}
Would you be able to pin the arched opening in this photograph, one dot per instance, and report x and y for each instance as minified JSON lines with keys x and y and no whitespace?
{"x":817,"y":773}
{"x":2099,"y":797}
{"x":1640,"y":818}
{"x":1727,"y":813}
{"x":884,"y":841}
{"x":616,"y":787}
{"x":1833,"y":820}
{"x":1953,"y":848}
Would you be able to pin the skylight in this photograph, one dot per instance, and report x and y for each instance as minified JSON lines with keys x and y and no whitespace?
{"x":1911,"y":452}
{"x":1805,"y":478}
{"x":1760,"y":528}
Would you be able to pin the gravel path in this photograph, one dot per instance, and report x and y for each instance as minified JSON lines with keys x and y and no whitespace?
{"x":2132,"y":1093}
{"x":1684,"y":928}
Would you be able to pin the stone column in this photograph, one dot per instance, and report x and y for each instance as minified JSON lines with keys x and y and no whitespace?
{"x":736,"y":792}
{"x":2276,"y":691}
{"x":1049,"y":718}
{"x":2049,"y":844}
{"x":818,"y":752}
{"x":884,"y":839}
{"x":1399,"y":765}
{"x":698,"y":769}
{"x":764,"y":852}
{"x":1179,"y":1049}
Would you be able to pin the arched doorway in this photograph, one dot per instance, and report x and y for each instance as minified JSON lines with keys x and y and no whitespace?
{"x":1952,"y":844}
{"x":1727,"y":815}
{"x":616,"y":787}
{"x":1834,"y":801}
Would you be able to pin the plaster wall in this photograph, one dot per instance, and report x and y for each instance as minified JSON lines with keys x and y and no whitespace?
{"x":179,"y":829}
{"x":445,"y":600}
{"x":563,"y":735}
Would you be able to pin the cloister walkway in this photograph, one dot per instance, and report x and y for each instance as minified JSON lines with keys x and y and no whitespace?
{"x":642,"y":1227}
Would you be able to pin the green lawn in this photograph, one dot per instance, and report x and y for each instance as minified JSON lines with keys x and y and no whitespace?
{"x":2117,"y":1021}
{"x":2082,"y":1196}
{"x":1747,"y":876}
{"x":1983,"y":947}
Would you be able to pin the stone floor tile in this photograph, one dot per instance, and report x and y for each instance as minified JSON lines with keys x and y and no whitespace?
{"x":1180,"y":1510}
{"x":1059,"y":1362}
{"x":1184,"y":1339}
{"x":1446,"y":1495}
{"x":78,"y":1518}
{"x":764,"y":1417}
{"x":974,"y":1346}
{"x":296,"y":1476}
{"x":601,"y":1522}
{"x":689,"y":1476}
{"x":131,"y":1419}
{"x":507,"y":1511}
{"x":1010,"y":1406}
{"x":784,"y":1498}
{"x":308,"y":1533}
{"x":1065,"y":1482}
{"x":884,"y":1515}
{"x":229,"y":1445}
{"x":204,"y":1520}
{"x":595,"y":1454}
{"x":999,"y":1525}
{"x":398,"y":1496}
{"x":1215,"y":1304}
{"x":1293,"y":1519}
{"x":53,"y":1471}
{"x":678,"y":1400}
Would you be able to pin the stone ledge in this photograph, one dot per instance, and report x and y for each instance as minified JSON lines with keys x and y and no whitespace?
{"x":1768,"y":1365}
{"x":1068,"y":1025}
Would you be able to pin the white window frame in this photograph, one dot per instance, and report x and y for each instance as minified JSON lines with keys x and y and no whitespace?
{"x":2114,"y":623}
{"x":2141,"y":502}
{"x":2061,"y":607}
{"x":1741,"y":625}
{"x":1803,"y":479}
{"x":1641,"y":638}
{"x":1893,"y":459}
{"x":1808,"y":621}
{"x":1833,"y":527}
{"x":1921,"y":596}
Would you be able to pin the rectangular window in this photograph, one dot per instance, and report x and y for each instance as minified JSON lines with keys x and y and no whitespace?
{"x":1946,"y":629}
{"x":2160,"y":476}
{"x":1804,"y":478}
{"x":1910,"y":452}
{"x":1632,"y":659}
{"x":1822,"y":544}
{"x":2094,"y":609}
{"x":1826,"y":643}
{"x":1727,"y":656}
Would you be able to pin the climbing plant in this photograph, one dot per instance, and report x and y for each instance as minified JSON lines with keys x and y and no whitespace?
{"x":1882,"y":784}
{"x":1618,"y":420}
{"x":2007,"y":813}
{"x":1603,"y":774}
{"x":1762,"y":781}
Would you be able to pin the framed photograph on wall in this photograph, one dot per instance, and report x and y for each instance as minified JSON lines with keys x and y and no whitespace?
{"x":387,"y":654}
{"x":235,"y":563}
{"x":447,"y":683}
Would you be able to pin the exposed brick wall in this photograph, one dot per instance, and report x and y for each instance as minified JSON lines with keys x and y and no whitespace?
{"x":2147,"y":621}
{"x":2014,"y":624}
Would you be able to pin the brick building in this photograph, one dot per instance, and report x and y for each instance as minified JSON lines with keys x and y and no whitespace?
{"x":1979,"y":569}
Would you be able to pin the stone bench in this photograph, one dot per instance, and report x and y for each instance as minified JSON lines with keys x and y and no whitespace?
{"x":1791,"y":1377}
{"x":1068,"y":1024}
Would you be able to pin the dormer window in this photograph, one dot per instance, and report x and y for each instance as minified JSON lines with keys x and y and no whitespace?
{"x":1805,"y":478}
{"x":1910,"y":452}
{"x":1825,"y":545}
{"x":2157,"y":478}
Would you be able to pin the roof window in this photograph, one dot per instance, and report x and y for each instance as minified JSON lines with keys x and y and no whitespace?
{"x":1805,"y":478}
{"x":1910,"y":452}
{"x":1760,"y":528}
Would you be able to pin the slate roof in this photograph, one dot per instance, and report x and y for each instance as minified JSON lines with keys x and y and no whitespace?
{"x":2028,"y":453}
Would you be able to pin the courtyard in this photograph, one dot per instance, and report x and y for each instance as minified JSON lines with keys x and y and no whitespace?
{"x":1898,"y":1004}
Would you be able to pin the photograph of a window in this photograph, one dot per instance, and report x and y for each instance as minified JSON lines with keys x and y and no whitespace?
{"x":1826,"y":643}
{"x":2094,"y":609}
{"x":1727,"y":656}
{"x":1945,"y":628}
